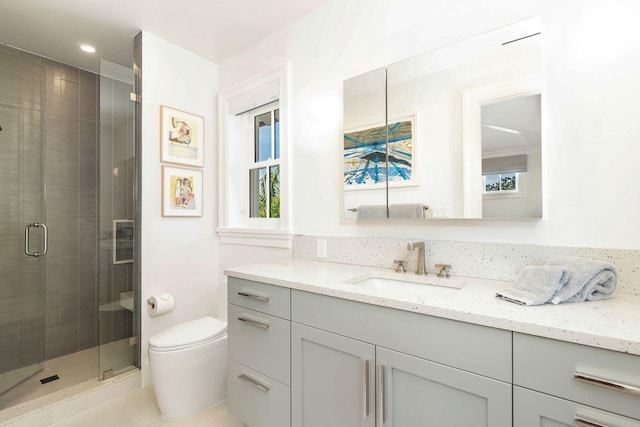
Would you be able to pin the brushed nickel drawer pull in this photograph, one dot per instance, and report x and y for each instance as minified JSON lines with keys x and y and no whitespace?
{"x":380,"y":396}
{"x":587,"y":423}
{"x":255,"y":323}
{"x":365,"y":389}
{"x":611,"y":385}
{"x":260,"y":298}
{"x":254,"y":382}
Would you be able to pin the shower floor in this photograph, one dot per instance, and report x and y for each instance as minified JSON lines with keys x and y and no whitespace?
{"x":72,"y":369}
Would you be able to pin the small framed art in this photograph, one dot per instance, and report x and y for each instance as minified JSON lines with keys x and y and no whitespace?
{"x":181,"y":137}
{"x":181,"y":192}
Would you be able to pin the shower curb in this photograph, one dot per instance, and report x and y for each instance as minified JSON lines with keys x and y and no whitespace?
{"x":64,"y":404}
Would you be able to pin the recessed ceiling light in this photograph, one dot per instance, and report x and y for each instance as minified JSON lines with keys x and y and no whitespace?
{"x":87,"y":48}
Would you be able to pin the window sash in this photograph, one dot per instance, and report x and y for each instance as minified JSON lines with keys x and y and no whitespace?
{"x":262,"y":198}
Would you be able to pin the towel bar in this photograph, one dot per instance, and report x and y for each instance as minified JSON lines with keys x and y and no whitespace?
{"x":356,"y":209}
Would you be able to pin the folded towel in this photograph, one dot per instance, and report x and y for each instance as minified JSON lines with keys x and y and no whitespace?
{"x":372,"y":211}
{"x":589,"y":279}
{"x":407,"y":210}
{"x":536,"y":285}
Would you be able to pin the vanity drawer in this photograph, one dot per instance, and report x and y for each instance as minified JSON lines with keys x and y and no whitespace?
{"x":552,"y":367}
{"x":260,"y":341}
{"x":533,"y":409}
{"x":270,"y":299}
{"x":478,"y":349}
{"x":256,"y":399}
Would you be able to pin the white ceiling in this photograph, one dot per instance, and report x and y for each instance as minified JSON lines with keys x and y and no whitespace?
{"x":521,"y":115}
{"x":213,"y":29}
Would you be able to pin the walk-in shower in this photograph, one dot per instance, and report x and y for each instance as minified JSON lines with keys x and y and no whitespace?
{"x":68,"y":267}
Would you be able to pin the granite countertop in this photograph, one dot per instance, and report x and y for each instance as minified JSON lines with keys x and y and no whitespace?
{"x":612,"y":324}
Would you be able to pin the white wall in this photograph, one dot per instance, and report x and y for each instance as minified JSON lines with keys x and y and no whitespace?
{"x":179,"y":255}
{"x":591,"y":134}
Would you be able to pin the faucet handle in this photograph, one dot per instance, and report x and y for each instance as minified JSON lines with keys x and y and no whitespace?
{"x":444,"y":270}
{"x":400,"y":267}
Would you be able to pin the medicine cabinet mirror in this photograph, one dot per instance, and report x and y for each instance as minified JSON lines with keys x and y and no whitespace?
{"x":451,"y":133}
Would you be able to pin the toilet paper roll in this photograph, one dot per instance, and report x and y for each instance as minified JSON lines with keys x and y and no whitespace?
{"x":161,"y":304}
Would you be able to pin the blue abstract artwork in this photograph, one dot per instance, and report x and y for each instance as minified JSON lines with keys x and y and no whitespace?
{"x":365,"y":155}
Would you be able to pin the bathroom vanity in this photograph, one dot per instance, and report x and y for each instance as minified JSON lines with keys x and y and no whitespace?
{"x":311,"y":346}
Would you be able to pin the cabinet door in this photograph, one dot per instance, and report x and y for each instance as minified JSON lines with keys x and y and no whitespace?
{"x":533,"y":409}
{"x":416,"y":392}
{"x":332,"y":379}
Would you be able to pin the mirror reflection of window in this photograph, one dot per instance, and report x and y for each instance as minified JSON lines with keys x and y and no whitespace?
{"x":511,"y":158}
{"x":503,"y":183}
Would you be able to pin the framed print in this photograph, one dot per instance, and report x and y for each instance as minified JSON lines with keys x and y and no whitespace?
{"x":181,"y":192}
{"x":181,"y":137}
{"x":365,"y":152}
{"x":122,"y":241}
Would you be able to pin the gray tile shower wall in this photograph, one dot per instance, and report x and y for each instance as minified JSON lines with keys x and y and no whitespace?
{"x":498,"y":261}
{"x":72,"y":141}
{"x":86,"y":137}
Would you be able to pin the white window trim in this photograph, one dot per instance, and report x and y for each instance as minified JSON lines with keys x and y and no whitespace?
{"x":266,"y":237}
{"x":255,"y":231}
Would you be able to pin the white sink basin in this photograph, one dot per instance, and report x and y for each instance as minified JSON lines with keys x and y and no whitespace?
{"x":407,"y":282}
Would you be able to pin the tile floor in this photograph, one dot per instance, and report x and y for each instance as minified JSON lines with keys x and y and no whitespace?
{"x":140,"y":409}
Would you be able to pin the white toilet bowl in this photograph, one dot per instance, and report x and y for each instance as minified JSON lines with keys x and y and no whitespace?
{"x":188,"y":364}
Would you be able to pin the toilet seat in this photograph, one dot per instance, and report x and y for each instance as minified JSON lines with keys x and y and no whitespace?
{"x":188,"y":334}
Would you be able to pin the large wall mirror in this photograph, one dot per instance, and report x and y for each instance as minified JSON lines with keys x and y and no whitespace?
{"x":451,"y":133}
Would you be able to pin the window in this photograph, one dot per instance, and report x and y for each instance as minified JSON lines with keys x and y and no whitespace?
{"x":264,"y":170}
{"x":504,"y":176}
{"x":253,"y":184}
{"x":501,"y":183}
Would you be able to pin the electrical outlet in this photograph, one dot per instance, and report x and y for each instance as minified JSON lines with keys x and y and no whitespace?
{"x":321,"y":248}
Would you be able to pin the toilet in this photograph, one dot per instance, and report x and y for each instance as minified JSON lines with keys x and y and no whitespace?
{"x":188,"y":364}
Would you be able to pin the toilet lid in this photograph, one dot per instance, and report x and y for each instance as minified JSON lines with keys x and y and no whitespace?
{"x":189,"y":333}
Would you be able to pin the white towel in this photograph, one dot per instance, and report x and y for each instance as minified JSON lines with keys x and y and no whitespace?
{"x":589,"y":279}
{"x":372,"y":211}
{"x":536,"y":285}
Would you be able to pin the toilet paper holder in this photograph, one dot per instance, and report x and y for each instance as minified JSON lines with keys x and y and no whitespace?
{"x":160,"y":304}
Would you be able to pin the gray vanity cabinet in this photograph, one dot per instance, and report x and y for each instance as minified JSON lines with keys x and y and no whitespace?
{"x":258,"y":391}
{"x":332,"y":379}
{"x":417,"y":392}
{"x":336,"y":345}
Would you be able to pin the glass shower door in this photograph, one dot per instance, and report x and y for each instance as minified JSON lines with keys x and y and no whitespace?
{"x":22,"y":233}
{"x":117,"y":295}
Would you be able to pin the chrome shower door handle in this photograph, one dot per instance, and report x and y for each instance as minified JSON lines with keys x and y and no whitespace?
{"x":45,"y":239}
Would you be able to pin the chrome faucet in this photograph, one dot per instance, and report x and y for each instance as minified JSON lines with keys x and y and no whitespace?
{"x":421,"y":268}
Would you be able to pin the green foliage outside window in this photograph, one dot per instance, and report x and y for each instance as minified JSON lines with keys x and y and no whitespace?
{"x":274,"y":192}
